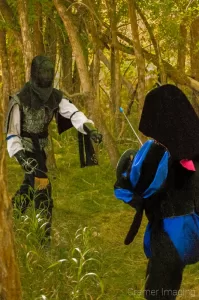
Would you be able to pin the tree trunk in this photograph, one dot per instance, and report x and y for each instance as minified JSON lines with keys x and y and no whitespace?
{"x":160,"y":66}
{"x":26,"y":36}
{"x":76,"y":46}
{"x":194,"y":49}
{"x":76,"y":85}
{"x":15,"y":52}
{"x":51,"y":51}
{"x":50,"y":37}
{"x":125,"y":82}
{"x":115,"y":69}
{"x":85,"y":79}
{"x":16,"y":66}
{"x":95,"y":80}
{"x":8,"y":17}
{"x":182,"y":48}
{"x":38,"y":31}
{"x":10,"y":288}
{"x":138,"y":55}
{"x":194,"y":53}
{"x":51,"y":161}
{"x":66,"y":64}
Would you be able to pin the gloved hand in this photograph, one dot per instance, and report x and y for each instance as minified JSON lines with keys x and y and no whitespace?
{"x":92,"y":132}
{"x":28,"y":164}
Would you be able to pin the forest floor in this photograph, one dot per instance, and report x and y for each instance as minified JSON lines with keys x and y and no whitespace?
{"x":87,"y":258}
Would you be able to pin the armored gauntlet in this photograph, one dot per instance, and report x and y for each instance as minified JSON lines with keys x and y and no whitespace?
{"x":28,"y":164}
{"x":93,"y":132}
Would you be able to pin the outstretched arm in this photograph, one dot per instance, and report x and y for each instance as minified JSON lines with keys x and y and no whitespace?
{"x":79,"y":120}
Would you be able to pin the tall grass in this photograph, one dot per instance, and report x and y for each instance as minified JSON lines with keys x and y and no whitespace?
{"x":87,"y":258}
{"x":72,"y":272}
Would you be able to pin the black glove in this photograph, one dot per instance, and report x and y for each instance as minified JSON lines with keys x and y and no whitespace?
{"x":28,"y":164}
{"x":93,"y":133}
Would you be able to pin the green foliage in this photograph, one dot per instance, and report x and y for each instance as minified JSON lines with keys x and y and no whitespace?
{"x":164,"y":18}
{"x":47,"y":7}
{"x":13,"y":23}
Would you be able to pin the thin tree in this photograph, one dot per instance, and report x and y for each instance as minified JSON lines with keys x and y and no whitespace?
{"x":26,"y":36}
{"x":10,"y":288}
{"x":85,"y":79}
{"x":138,"y":53}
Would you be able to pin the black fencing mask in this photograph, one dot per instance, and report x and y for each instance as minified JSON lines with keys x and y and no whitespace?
{"x":42,"y":71}
{"x":42,"y":76}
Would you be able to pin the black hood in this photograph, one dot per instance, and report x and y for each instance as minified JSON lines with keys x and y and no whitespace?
{"x":169,"y":118}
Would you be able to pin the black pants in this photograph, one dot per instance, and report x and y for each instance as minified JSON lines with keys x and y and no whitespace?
{"x":42,"y":198}
{"x":165,"y":269}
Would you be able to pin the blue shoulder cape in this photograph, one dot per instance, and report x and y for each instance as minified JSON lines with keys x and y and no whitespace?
{"x":145,"y":177}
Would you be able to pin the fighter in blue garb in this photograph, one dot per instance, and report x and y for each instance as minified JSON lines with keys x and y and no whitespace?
{"x":162,"y":180}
